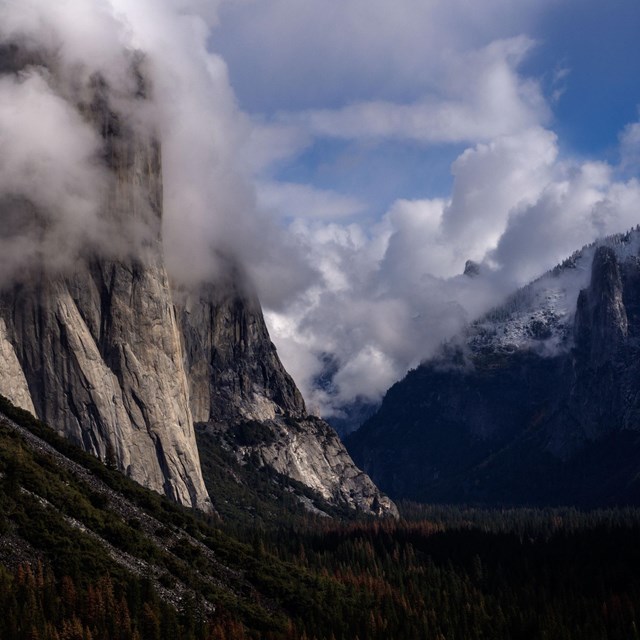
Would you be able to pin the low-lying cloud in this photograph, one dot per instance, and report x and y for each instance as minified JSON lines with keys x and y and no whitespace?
{"x":54,"y":159}
{"x":49,"y":201}
{"x":390,"y":295}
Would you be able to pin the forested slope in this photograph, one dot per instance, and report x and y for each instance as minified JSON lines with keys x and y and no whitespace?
{"x":87,"y":553}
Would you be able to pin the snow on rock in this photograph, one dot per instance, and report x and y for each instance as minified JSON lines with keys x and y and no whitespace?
{"x":540,"y":316}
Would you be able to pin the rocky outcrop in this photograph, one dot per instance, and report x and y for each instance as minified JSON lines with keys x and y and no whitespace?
{"x":603,"y":366}
{"x":102,"y":357}
{"x":233,"y":368}
{"x":310,"y":451}
{"x":471,"y":269}
{"x":238,"y":386}
{"x":601,"y":323}
{"x":538,"y":403}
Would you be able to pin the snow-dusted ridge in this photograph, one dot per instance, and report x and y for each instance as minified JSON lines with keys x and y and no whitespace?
{"x":540,"y":316}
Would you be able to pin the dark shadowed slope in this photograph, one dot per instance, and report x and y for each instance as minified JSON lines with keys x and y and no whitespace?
{"x":538,"y":403}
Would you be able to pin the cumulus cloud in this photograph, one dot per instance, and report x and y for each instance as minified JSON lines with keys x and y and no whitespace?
{"x":392,"y":294}
{"x":425,"y":74}
{"x":582,"y":203}
{"x":490,"y":181}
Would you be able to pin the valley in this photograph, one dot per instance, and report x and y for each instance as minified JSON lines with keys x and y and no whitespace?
{"x":85,"y":552}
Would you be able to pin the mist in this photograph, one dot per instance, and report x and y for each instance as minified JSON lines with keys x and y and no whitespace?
{"x":52,"y":154}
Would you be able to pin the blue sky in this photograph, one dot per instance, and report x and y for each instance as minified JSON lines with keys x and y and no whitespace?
{"x":598,"y":43}
{"x":586,"y":57}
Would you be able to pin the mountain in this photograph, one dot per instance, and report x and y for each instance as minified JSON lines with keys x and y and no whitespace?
{"x":120,"y":359}
{"x":242,"y":397}
{"x":538,"y":402}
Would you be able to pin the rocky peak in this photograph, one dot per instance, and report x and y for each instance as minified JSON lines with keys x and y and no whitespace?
{"x":471,"y":269}
{"x":601,"y":320}
{"x":547,"y":408}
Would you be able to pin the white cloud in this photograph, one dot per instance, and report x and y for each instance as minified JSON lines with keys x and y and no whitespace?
{"x":490,"y":181}
{"x":270,"y":144}
{"x":630,"y":148}
{"x":376,"y":297}
{"x":416,"y":72}
{"x":392,"y":294}
{"x":581,"y":204}
{"x":480,"y":96}
{"x":210,"y":209}
{"x":35,"y":125}
{"x":315,"y":52}
{"x":300,"y":200}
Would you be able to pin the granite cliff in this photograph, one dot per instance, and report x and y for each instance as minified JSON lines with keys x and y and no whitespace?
{"x":113,"y":355}
{"x":240,"y":390}
{"x":93,"y":348}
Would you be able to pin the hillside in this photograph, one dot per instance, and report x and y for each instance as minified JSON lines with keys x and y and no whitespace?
{"x":67,"y":517}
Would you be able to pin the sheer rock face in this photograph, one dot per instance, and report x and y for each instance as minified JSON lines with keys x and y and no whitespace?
{"x":97,"y":343}
{"x":13,"y":384}
{"x":109,"y":354}
{"x":604,"y":367}
{"x":236,"y":378}
{"x":233,"y":369}
{"x":102,"y":357}
{"x":601,"y":323}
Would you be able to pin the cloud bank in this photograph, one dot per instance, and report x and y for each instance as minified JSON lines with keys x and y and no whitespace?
{"x":391,"y":294}
{"x":433,"y":76}
{"x":53,"y":159}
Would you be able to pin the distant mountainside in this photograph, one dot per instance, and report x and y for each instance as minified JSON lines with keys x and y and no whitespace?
{"x":118,"y":358}
{"x":538,"y":402}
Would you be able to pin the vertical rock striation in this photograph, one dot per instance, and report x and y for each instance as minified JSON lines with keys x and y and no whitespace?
{"x":97,"y":343}
{"x":233,"y":368}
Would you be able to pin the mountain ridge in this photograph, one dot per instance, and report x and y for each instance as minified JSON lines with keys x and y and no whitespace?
{"x":514,"y":410}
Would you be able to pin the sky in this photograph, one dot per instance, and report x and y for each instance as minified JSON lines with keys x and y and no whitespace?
{"x":414,"y":135}
{"x":351,"y":154}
